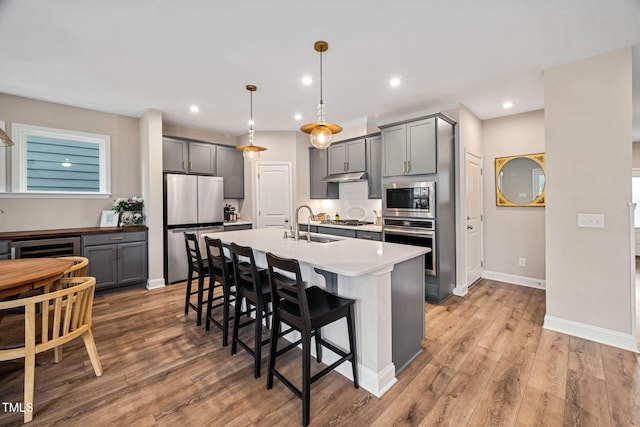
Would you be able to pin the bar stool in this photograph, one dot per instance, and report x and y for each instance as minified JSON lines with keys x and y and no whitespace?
{"x":307,"y":310}
{"x":198,"y":266}
{"x":252,"y":286}
{"x":220,"y":277}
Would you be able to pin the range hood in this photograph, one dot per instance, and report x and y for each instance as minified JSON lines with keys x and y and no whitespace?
{"x":346,"y":177}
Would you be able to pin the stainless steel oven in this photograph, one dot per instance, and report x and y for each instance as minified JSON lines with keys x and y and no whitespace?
{"x":416,"y":232}
{"x":415,"y":200}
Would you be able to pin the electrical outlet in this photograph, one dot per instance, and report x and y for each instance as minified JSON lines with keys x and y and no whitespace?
{"x":590,"y":220}
{"x":522,"y":262}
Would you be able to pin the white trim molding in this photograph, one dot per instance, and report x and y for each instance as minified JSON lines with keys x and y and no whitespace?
{"x":155,"y":283}
{"x":592,"y":333}
{"x":530,"y":282}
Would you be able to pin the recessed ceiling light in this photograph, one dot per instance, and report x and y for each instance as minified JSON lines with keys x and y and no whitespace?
{"x":394,"y":82}
{"x":507,"y":104}
{"x":194,"y":108}
{"x":298,"y":117}
{"x":306,"y":80}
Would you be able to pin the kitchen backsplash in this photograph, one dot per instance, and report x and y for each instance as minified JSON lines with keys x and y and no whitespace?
{"x":353,"y":203}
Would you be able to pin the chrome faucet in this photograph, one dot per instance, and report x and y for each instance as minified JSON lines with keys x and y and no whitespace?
{"x":296,"y":228}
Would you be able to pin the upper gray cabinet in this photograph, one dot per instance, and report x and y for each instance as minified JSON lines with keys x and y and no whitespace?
{"x":317,"y":171}
{"x":374,"y":169}
{"x":188,"y":156}
{"x":175,"y":155}
{"x":410,"y":148}
{"x":202,"y":158}
{"x":230,"y":166}
{"x":347,"y":157}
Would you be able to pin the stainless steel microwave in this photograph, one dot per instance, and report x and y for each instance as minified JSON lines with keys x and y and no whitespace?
{"x":417,"y":199}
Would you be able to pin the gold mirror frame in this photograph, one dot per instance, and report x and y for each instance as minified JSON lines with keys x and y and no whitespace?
{"x":501,"y":162}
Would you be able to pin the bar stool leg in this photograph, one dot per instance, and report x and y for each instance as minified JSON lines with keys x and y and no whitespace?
{"x":200,"y":298}
{"x":352,"y":344}
{"x":258,"y":342}
{"x":236,"y":324}
{"x":273,"y":349}
{"x":225,"y":319}
{"x":306,"y":377}
{"x":209,"y":306}
{"x":318,"y":345}
{"x":186,"y":304}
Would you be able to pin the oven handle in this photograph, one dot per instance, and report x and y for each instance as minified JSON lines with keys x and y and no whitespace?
{"x":409,"y":233}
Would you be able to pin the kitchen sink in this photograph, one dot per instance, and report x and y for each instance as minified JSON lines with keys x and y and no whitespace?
{"x":318,"y":239}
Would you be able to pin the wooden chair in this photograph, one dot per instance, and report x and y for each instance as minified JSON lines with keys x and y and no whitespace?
{"x":307,"y":310}
{"x":220,"y":277}
{"x":79,"y":267}
{"x":252,"y":287}
{"x":64,"y":315}
{"x":196,"y":266}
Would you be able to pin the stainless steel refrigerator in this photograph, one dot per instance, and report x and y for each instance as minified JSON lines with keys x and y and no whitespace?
{"x":193,"y":204}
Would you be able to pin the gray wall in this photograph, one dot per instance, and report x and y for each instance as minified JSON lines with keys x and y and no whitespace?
{"x":588,"y":145}
{"x":512,"y":232}
{"x":39,"y":214}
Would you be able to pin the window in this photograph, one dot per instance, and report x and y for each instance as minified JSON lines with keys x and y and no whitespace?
{"x":55,"y":161}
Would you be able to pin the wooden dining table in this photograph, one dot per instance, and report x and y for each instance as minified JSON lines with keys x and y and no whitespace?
{"x":20,"y":275}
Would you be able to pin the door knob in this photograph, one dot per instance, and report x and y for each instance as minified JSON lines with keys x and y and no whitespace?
{"x":469,"y":227}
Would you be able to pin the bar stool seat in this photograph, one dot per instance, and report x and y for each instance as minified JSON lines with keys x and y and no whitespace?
{"x":307,"y":310}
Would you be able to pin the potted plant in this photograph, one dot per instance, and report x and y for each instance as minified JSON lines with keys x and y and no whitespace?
{"x":130,"y":210}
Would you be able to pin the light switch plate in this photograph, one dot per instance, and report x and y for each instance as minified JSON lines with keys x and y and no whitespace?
{"x":591,"y":220}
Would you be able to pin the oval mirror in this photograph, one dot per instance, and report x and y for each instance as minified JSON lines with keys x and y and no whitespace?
{"x":520,"y":180}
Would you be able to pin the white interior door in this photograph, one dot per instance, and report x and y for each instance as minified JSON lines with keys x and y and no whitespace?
{"x":274,"y":195}
{"x":474,"y":218}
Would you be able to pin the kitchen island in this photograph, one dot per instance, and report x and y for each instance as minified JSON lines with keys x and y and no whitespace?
{"x":385,"y":279}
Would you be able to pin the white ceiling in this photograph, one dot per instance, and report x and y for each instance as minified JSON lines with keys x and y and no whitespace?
{"x":125,"y":56}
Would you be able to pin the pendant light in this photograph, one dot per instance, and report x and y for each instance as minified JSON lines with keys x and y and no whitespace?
{"x":251,"y":152}
{"x":5,"y":141}
{"x":321,"y":133}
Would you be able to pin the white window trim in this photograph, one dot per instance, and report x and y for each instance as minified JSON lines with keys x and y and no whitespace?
{"x":19,"y":152}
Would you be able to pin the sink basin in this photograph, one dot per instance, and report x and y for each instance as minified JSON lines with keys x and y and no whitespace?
{"x":318,"y":239}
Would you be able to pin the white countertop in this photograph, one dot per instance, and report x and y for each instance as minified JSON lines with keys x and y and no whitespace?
{"x":347,"y":257}
{"x":367,"y":227}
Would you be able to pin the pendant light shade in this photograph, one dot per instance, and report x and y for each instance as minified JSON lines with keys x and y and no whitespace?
{"x":321,"y":133}
{"x":251,"y":152}
{"x":5,"y":141}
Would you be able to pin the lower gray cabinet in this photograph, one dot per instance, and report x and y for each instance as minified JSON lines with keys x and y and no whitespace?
{"x":345,"y":232}
{"x":116,"y":259}
{"x":369,"y":235}
{"x":236,"y":227}
{"x":5,"y":249}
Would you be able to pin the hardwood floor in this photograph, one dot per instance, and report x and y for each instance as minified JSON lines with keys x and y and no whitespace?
{"x":486,"y":361}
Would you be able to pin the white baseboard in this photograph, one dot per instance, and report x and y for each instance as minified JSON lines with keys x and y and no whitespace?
{"x":531,"y":282}
{"x":460,"y":290}
{"x":592,"y":333}
{"x":155,"y":283}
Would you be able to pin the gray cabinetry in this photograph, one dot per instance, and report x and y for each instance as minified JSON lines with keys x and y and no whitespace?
{"x":345,"y":232}
{"x":202,"y":158}
{"x":175,"y":155}
{"x":230,"y":166}
{"x":236,"y":227}
{"x":369,"y":235}
{"x":374,"y":166}
{"x":347,"y":157}
{"x":410,"y":148}
{"x":116,"y":259}
{"x":317,"y":171}
{"x":5,"y":249}
{"x":188,"y":156}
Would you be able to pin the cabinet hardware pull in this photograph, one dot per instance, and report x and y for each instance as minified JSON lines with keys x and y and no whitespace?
{"x":366,"y":237}
{"x":119,"y":253}
{"x":184,"y":165}
{"x":115,"y":253}
{"x":190,"y":165}
{"x":117,"y":238}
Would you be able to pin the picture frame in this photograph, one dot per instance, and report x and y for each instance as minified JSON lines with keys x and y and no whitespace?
{"x":109,"y":219}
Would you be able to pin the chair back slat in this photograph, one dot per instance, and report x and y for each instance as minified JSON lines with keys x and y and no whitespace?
{"x":218,"y":267}
{"x":287,"y":289}
{"x":194,"y":256}
{"x":245,"y":270}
